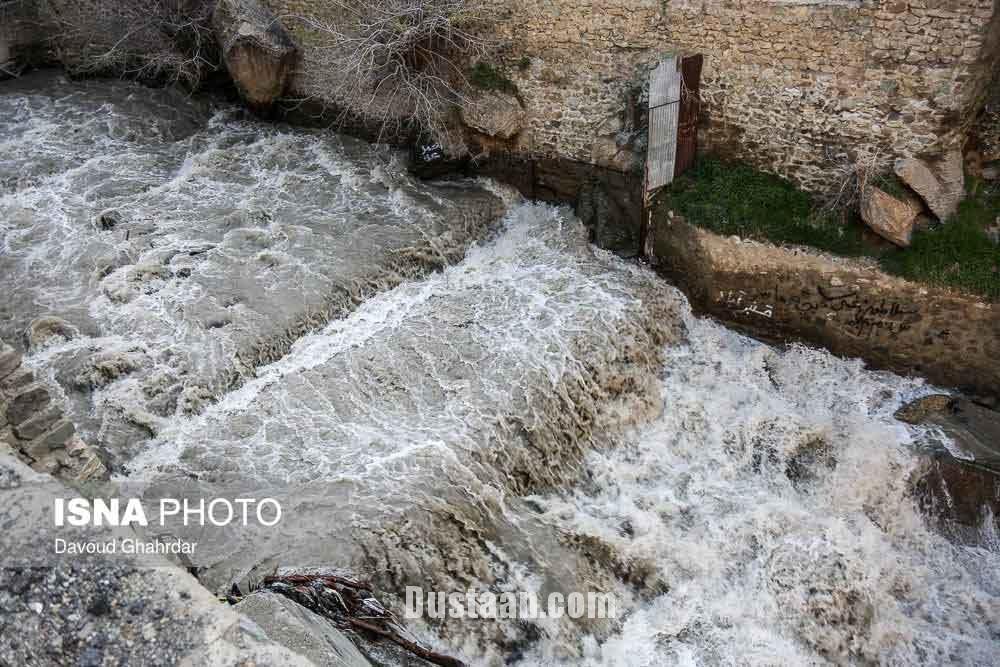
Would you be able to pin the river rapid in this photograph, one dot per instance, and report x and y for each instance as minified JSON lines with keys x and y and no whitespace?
{"x":449,"y":387}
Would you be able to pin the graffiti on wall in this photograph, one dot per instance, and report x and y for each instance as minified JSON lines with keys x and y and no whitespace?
{"x":862,"y":316}
{"x":742,"y":303}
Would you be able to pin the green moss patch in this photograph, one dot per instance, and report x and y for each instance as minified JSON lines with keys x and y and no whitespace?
{"x":487,"y":77}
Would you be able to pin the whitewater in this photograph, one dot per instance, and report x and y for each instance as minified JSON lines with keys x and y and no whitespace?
{"x":450,"y":387}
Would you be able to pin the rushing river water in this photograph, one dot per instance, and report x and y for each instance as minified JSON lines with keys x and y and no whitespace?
{"x":452,"y":396}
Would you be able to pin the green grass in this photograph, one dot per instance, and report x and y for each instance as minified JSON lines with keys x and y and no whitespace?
{"x":732,"y":198}
{"x":957,"y":254}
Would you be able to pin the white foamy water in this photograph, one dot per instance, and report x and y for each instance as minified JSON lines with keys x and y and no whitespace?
{"x":186,"y":246}
{"x":770,"y":500}
{"x":761,"y":515}
{"x":446,"y":402}
{"x":400,"y":438}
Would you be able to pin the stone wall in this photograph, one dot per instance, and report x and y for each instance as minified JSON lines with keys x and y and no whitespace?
{"x":847,"y":306}
{"x":20,"y":35}
{"x":793,"y":86}
{"x":796,"y":87}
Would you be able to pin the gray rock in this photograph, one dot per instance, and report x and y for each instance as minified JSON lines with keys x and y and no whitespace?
{"x":258,"y":51}
{"x":104,"y":608}
{"x":494,"y":114}
{"x":10,"y":360}
{"x":301,"y":630}
{"x":38,"y":424}
{"x":891,"y":218}
{"x":958,"y":494}
{"x":48,"y":329}
{"x":974,"y":428}
{"x":20,"y":378}
{"x":53,"y":439}
{"x":58,"y":435}
{"x":941,"y":184}
{"x":30,"y":400}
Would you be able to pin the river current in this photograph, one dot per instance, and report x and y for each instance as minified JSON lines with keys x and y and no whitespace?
{"x":449,"y":387}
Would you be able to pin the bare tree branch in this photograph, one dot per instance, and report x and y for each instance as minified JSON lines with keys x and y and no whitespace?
{"x":400,"y":62}
{"x":156,"y":39}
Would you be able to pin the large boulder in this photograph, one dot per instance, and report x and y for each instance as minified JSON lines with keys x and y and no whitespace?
{"x":259,"y":53}
{"x":973,"y":428}
{"x":48,"y":330}
{"x":958,"y":484}
{"x":941,"y":183}
{"x":890,"y":217}
{"x":494,"y":114}
{"x":293,"y":626}
{"x":89,"y":609}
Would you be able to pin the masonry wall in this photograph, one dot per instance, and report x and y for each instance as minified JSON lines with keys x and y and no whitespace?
{"x":19,"y":33}
{"x":847,"y":306}
{"x":795,"y":86}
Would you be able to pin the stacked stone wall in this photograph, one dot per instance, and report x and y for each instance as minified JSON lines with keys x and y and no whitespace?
{"x":797,"y":87}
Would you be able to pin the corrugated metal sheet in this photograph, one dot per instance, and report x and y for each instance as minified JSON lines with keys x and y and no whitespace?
{"x":664,"y":107}
{"x":664,"y":83}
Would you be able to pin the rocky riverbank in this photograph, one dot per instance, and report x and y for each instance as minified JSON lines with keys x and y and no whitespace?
{"x":459,"y":399}
{"x":90,"y":611}
{"x":34,"y":424}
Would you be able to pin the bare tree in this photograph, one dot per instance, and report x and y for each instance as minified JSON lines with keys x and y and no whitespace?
{"x":153,"y":39}
{"x":400,"y":62}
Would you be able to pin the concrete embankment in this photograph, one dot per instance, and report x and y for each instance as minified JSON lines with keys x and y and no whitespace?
{"x":847,"y":306}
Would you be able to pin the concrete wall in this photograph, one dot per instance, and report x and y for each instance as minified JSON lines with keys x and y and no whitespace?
{"x":794,"y":86}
